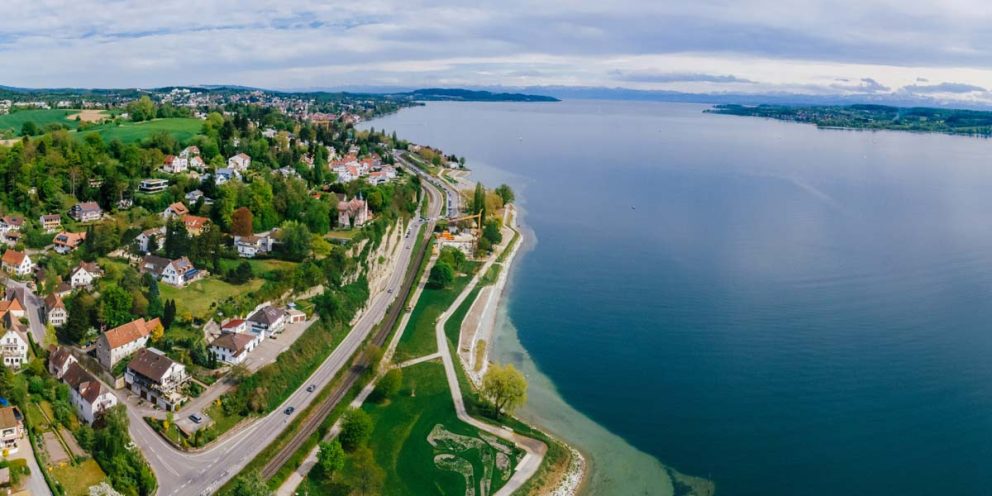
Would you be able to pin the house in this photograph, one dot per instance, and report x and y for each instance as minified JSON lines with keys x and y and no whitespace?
{"x":267,"y":320}
{"x":250,"y":246}
{"x":144,"y":240}
{"x":153,"y":264}
{"x":10,"y":223}
{"x":239,"y":162}
{"x":86,"y":212}
{"x":84,"y":274}
{"x":11,"y":428}
{"x":194,"y":224}
{"x":175,"y":165}
{"x":17,"y":262}
{"x":63,"y":289}
{"x":66,"y":241}
{"x":122,"y":341}
{"x":190,"y":152}
{"x":353,"y":213}
{"x":12,"y":306}
{"x":175,"y":210}
{"x":12,"y":237}
{"x":234,"y":347}
{"x":181,"y":272}
{"x":55,"y":311}
{"x":88,"y":395}
{"x":14,"y":343}
{"x":286,"y":172}
{"x":153,"y":185}
{"x":197,"y":163}
{"x":193,"y":196}
{"x":234,"y":326}
{"x":155,"y":377}
{"x":225,"y":174}
{"x":51,"y":222}
{"x":59,"y":360}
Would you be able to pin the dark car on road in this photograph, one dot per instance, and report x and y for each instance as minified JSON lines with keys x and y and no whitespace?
{"x":289,"y":411}
{"x":311,"y":388}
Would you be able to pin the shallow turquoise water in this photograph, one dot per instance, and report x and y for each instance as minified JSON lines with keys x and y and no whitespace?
{"x":782,"y":309}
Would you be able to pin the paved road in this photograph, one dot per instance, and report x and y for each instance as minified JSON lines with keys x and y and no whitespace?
{"x":454,"y":198}
{"x":204,"y":472}
{"x":35,"y":310}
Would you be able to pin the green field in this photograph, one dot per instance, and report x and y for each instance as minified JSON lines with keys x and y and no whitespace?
{"x":77,"y":479}
{"x":15,"y":120}
{"x":418,"y":338}
{"x":198,"y":297}
{"x":181,"y":128}
{"x":259,"y":267}
{"x":405,"y":448}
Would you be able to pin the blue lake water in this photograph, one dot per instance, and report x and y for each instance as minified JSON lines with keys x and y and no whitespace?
{"x":780,"y":309}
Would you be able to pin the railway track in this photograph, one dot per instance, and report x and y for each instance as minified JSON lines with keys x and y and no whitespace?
{"x":321,"y":411}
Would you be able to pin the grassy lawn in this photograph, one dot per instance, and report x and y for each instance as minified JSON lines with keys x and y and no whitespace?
{"x":77,"y":479}
{"x":400,"y":443}
{"x":197,"y":297}
{"x":181,"y":128}
{"x":40,"y":117}
{"x":222,"y":423}
{"x":259,"y":267}
{"x":345,"y":235}
{"x":418,"y":337}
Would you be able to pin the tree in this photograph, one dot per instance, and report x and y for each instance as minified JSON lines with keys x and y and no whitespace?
{"x":295,"y":240}
{"x":154,"y":297}
{"x":242,"y":222}
{"x":478,"y":198}
{"x":506,"y":193}
{"x":176,"y":239}
{"x":29,"y":128}
{"x":389,"y":385}
{"x":115,"y":306}
{"x":142,"y":109}
{"x":249,"y":484}
{"x":441,"y":276}
{"x":330,"y":457}
{"x":505,"y":388}
{"x":356,"y":429}
{"x":492,"y":232}
{"x":169,"y":313}
{"x":366,"y":476}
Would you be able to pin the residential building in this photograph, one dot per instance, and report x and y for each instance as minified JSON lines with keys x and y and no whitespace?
{"x":55,"y":312}
{"x":153,"y":185}
{"x":239,"y":162}
{"x":11,"y":428}
{"x":156,"y":378}
{"x":175,"y":165}
{"x":286,"y":172}
{"x":197,"y":163}
{"x":251,"y":246}
{"x":86,"y":212}
{"x":66,"y":241}
{"x":51,"y":222}
{"x":234,"y":326}
{"x":144,"y":239}
{"x":14,"y":343}
{"x":84,"y":274}
{"x":181,"y":272}
{"x":17,"y":262}
{"x":10,"y":223}
{"x":267,"y":320}
{"x":190,"y":152}
{"x":354,"y":213}
{"x":193,"y":196}
{"x":234,"y":347}
{"x":225,"y":174}
{"x":87,"y":394}
{"x":122,"y":341}
{"x":153,"y":264}
{"x":294,"y":316}
{"x":59,"y":360}
{"x":194,"y":224}
{"x":12,"y":306}
{"x":175,"y":210}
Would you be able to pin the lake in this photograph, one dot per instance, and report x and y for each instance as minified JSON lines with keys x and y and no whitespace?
{"x":780,"y":309}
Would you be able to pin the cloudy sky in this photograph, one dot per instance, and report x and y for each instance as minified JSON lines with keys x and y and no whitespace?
{"x":936,"y":49}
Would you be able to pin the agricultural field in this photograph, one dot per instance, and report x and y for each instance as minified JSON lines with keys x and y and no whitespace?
{"x":181,"y":128}
{"x":15,"y":120}
{"x":422,"y":446}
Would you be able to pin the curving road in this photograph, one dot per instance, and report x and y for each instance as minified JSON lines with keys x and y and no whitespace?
{"x":181,"y":473}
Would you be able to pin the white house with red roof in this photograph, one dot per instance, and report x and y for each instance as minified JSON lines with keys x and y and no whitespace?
{"x":239,"y":162}
{"x":17,"y":262}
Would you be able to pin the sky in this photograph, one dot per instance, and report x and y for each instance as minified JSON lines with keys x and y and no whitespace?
{"x":933,"y":49}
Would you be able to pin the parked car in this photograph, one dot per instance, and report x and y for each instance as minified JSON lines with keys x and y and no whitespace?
{"x":196,"y":418}
{"x":289,"y":411}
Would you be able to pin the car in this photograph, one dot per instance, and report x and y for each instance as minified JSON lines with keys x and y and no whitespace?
{"x":390,"y":291}
{"x":196,"y":418}
{"x":311,"y":388}
{"x":289,"y":411}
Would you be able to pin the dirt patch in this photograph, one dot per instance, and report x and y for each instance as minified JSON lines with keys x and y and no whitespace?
{"x":88,"y":116}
